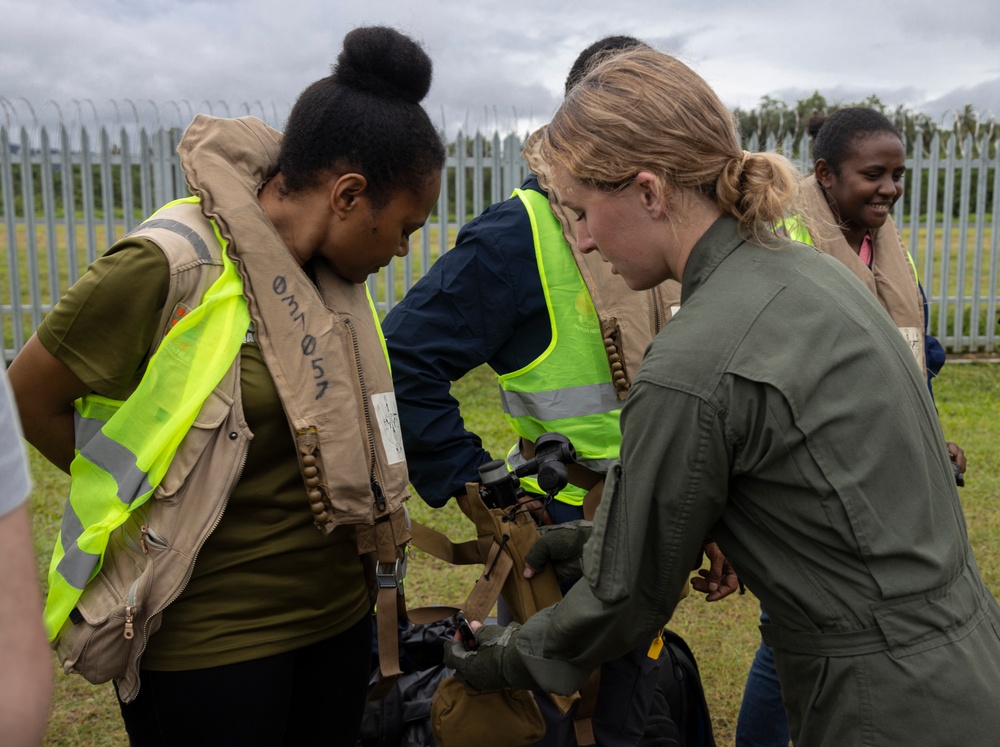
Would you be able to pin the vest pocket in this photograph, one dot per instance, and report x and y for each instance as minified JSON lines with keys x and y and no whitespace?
{"x":105,"y":630}
{"x":211,"y":417}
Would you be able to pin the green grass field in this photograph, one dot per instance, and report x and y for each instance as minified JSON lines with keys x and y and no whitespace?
{"x":723,"y":634}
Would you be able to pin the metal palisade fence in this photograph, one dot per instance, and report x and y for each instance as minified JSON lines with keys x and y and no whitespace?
{"x":68,"y":192}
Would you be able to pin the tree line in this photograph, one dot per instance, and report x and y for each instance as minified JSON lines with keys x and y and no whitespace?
{"x":773,"y":117}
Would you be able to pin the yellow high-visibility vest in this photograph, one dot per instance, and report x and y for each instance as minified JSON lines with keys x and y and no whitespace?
{"x":568,"y":388}
{"x":124,"y":448}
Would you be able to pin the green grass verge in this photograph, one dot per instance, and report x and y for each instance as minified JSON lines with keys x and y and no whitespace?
{"x":723,"y":634}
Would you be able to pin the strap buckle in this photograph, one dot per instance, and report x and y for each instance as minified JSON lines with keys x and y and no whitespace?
{"x":391,"y":576}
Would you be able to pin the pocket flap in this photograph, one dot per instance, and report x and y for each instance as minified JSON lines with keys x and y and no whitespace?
{"x":214,"y":410}
{"x":606,"y":554}
{"x":211,"y":417}
{"x":920,"y":622}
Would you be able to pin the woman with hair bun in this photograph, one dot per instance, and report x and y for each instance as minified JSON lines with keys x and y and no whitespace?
{"x":754,"y":421}
{"x":217,"y":387}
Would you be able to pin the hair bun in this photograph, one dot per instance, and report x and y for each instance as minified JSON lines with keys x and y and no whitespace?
{"x":816,"y":122}
{"x":382,"y":61}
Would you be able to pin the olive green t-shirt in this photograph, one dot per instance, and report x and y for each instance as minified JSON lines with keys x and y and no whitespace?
{"x":267,"y":580}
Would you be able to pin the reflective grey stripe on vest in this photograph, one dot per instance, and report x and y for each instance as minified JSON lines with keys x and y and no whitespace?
{"x":181,"y":230}
{"x":112,"y":457}
{"x":515,"y":460}
{"x":76,"y":565}
{"x":557,"y":404}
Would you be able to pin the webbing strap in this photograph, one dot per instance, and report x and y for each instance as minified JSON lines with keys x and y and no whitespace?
{"x":388,"y":643}
{"x":437,"y":544}
{"x":390,"y":603}
{"x":489,"y":585}
{"x":498,"y":565}
{"x":583,"y":725}
{"x":496,"y":568}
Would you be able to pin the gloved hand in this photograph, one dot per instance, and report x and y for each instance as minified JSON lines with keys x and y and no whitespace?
{"x":562,"y":545}
{"x":494,"y":664}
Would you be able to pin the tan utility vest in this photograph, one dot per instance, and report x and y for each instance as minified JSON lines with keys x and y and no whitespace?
{"x":149,"y":558}
{"x":324,"y":351}
{"x":891,"y":277}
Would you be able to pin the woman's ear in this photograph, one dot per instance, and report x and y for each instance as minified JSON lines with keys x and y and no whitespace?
{"x":824,"y":174}
{"x":655,"y":193}
{"x":346,"y":190}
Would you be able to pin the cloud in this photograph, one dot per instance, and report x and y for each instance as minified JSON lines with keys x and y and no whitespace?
{"x":985,"y":97}
{"x":495,"y":66}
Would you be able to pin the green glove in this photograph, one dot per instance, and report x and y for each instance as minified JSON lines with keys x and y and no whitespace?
{"x":494,"y":664}
{"x":562,"y":545}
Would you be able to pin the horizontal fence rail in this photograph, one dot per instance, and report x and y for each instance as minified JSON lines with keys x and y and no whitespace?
{"x":69,"y":191}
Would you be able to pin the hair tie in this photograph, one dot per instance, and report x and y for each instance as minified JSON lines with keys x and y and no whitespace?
{"x":743,"y":159}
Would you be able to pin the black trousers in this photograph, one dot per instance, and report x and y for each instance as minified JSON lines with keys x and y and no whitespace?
{"x":312,"y":696}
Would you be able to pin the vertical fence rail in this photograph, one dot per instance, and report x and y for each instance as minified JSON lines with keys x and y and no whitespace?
{"x":127,"y":199}
{"x":87,"y":177}
{"x":64,"y":204}
{"x":961,"y":265}
{"x":49,"y":212}
{"x":10,"y":311}
{"x":145,"y":174}
{"x":915,"y":175}
{"x":107,"y":186}
{"x":944,"y":282}
{"x":30,"y":234}
{"x":69,"y":205}
{"x":932,"y":200}
{"x":993,"y":312}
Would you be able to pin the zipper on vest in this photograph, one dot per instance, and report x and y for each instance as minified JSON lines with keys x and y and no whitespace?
{"x":130,"y":611}
{"x":144,"y":533}
{"x":657,"y":314}
{"x":147,"y":537}
{"x":379,"y":495}
{"x":372,"y":452}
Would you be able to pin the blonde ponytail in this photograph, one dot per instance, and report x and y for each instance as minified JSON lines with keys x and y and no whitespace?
{"x":758,"y":190}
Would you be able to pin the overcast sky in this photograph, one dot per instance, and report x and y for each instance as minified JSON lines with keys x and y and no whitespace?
{"x":496,"y":64}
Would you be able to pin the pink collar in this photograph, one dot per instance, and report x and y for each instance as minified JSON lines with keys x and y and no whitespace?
{"x":865,"y":253}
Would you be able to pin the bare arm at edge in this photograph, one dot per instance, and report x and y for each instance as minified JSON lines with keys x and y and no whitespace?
{"x":45,"y":388}
{"x":26,"y":674}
